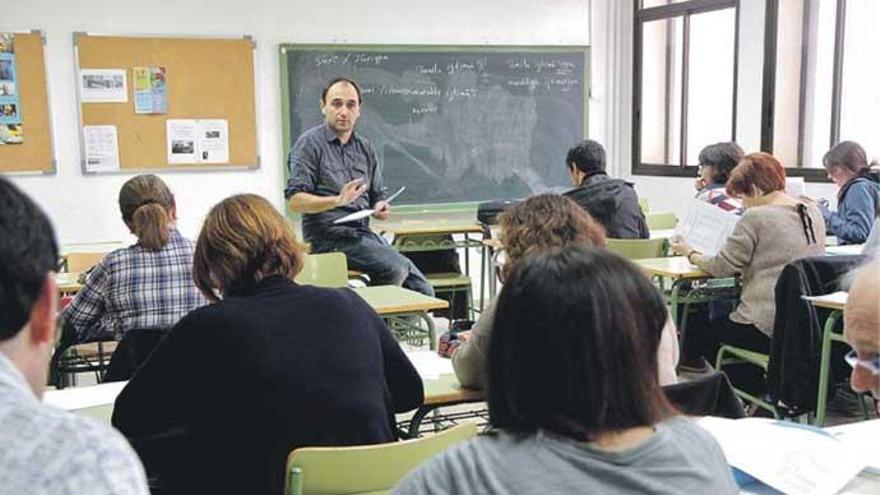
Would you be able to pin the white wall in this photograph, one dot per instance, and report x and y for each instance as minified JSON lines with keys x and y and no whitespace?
{"x":83,"y":208}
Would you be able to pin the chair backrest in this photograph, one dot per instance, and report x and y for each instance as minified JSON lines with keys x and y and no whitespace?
{"x":662,"y":220}
{"x":364,"y":468}
{"x":636,"y":249}
{"x":80,"y":262}
{"x":324,"y":270}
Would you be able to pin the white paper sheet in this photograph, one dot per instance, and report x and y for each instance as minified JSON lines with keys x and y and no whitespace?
{"x":103,"y":86}
{"x":835,"y":297}
{"x":795,"y":186}
{"x":863,"y":438}
{"x":706,"y":227}
{"x":101,"y":148}
{"x":192,"y":141}
{"x":429,"y":365}
{"x":787,"y":456}
{"x":75,"y":398}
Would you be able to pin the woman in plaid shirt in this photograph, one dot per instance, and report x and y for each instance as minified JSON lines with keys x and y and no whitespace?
{"x":147,"y":286}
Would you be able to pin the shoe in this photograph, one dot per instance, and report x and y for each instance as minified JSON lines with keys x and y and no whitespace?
{"x":694,"y":365}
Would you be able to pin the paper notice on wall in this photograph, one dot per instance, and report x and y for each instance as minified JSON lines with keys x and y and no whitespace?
{"x":10,"y":105}
{"x":197,"y":141}
{"x":706,"y":227}
{"x":103,"y":86}
{"x":149,"y":90}
{"x":101,"y":148}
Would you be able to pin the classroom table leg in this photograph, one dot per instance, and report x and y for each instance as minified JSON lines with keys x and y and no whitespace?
{"x":824,"y":367}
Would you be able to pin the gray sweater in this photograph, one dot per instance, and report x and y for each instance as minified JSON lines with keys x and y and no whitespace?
{"x":680,"y":457}
{"x":765,"y":239}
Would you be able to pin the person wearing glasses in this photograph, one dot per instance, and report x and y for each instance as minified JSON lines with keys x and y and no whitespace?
{"x":861,"y":319}
{"x":716,"y":162}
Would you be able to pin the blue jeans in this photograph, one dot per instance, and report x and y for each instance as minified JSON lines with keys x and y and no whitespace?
{"x":371,"y":254}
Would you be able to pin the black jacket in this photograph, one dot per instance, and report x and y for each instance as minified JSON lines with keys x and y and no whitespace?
{"x":244,"y":381}
{"x":613,"y":203}
{"x":793,"y":371}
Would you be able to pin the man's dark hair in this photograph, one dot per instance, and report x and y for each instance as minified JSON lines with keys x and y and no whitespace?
{"x":28,"y":251}
{"x":587,"y":156}
{"x":722,"y":157}
{"x":574,"y":346}
{"x":338,"y":80}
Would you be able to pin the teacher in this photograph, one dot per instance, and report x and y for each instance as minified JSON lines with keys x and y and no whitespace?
{"x":334,"y":172}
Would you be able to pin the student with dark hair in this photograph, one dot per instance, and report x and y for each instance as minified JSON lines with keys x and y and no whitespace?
{"x":858,"y":195}
{"x":775,"y":230}
{"x":147,"y":286}
{"x":574,"y":402}
{"x":269,"y":367}
{"x":716,"y":162}
{"x":612,"y":202}
{"x":334,"y":171}
{"x":44,"y":450}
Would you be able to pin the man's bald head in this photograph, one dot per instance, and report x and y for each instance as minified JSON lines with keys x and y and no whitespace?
{"x":862,"y":324}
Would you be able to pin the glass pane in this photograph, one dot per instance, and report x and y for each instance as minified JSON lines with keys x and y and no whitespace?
{"x":860,"y":92}
{"x":662,"y":49}
{"x":656,"y":3}
{"x":789,"y":51}
{"x":816,"y":120}
{"x":710,"y":80}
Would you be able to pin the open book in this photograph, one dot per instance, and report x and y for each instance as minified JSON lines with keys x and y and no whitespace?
{"x":706,"y":227}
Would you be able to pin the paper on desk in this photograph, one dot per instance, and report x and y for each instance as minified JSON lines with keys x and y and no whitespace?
{"x":863,"y":438}
{"x":706,"y":227}
{"x":74,"y":398}
{"x":838,"y":297}
{"x":429,"y":364}
{"x":786,"y":456}
{"x":795,"y":187}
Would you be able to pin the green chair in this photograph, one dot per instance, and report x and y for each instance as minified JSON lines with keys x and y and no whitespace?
{"x":451,"y":283}
{"x":661,"y":220}
{"x":365,"y":469}
{"x":636,"y":249}
{"x":738,"y":355}
{"x":324,"y":270}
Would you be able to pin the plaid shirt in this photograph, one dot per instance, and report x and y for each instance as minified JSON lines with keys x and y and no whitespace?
{"x":135,"y":288}
{"x":716,"y":195}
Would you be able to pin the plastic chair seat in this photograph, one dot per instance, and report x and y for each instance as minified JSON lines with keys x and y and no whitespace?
{"x":636,"y":249}
{"x":448,"y":280}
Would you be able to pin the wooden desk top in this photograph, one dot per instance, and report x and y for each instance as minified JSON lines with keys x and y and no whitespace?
{"x":91,"y":247}
{"x":844,"y":250}
{"x":391,"y":299}
{"x":835,"y":300}
{"x":446,"y":390}
{"x":68,"y":281}
{"x":424,"y":223}
{"x":662,"y":234}
{"x":672,"y":267}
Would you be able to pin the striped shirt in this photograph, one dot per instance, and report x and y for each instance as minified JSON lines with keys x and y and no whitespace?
{"x":136,"y":288}
{"x":44,"y":450}
{"x":715,"y":194}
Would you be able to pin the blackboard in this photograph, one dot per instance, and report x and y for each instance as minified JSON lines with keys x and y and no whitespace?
{"x":453,"y":124}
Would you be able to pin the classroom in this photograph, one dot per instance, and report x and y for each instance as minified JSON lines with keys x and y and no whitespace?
{"x":682,"y":196}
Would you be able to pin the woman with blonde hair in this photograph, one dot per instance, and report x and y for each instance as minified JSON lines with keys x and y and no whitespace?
{"x":542,"y":222}
{"x":269,"y":367}
{"x":147,"y":286}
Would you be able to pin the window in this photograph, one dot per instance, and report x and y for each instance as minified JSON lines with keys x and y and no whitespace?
{"x":684,"y":82}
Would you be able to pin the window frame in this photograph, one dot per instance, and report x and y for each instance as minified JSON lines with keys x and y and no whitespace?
{"x":670,"y":11}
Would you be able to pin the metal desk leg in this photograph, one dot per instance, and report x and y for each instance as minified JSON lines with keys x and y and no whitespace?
{"x":416,"y":422}
{"x":432,"y":337}
{"x":824,"y":367}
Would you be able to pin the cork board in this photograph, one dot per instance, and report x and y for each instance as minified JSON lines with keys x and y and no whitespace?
{"x":205,"y":79}
{"x":35,"y":153}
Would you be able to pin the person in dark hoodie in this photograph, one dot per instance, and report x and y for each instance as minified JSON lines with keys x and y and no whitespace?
{"x":847,"y":166}
{"x":612,"y":202}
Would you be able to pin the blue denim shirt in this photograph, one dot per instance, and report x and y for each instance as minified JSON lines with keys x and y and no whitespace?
{"x":320,"y":164}
{"x":856,"y":208}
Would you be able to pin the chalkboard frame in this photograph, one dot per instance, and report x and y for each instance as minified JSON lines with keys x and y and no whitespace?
{"x":286,"y":102}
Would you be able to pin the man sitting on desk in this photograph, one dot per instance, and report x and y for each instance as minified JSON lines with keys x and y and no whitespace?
{"x":334,"y":172}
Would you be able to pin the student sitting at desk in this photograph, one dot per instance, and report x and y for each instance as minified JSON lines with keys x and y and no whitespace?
{"x":146,"y":287}
{"x":774,"y":230}
{"x":574,"y":401}
{"x":539,"y":223}
{"x":44,"y":450}
{"x":847,"y":166}
{"x":270,"y":366}
{"x":612,"y":202}
{"x":716,"y":163}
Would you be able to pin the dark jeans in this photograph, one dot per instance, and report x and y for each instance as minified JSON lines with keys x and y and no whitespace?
{"x":704,"y":337}
{"x":371,"y":254}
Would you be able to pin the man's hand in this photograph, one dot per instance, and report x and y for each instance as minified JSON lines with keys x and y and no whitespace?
{"x":383,"y":210}
{"x":350,"y":192}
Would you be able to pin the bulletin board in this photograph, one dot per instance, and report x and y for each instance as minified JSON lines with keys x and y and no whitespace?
{"x":205,"y":79}
{"x":28,"y":147}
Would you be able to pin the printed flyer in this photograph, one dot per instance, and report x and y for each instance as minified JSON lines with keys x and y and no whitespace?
{"x":10,"y":105}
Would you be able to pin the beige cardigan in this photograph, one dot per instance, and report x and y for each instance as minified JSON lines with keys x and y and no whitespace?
{"x":469,"y":360}
{"x":765,"y":239}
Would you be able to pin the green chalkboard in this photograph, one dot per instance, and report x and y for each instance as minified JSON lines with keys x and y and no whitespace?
{"x":452,"y":123}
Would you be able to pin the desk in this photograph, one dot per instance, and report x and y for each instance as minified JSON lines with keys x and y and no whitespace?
{"x":68,"y":282}
{"x":844,"y":250}
{"x":679,"y":269}
{"x":91,"y":247}
{"x":394,"y":303}
{"x":835,"y":302}
{"x":662,"y":234}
